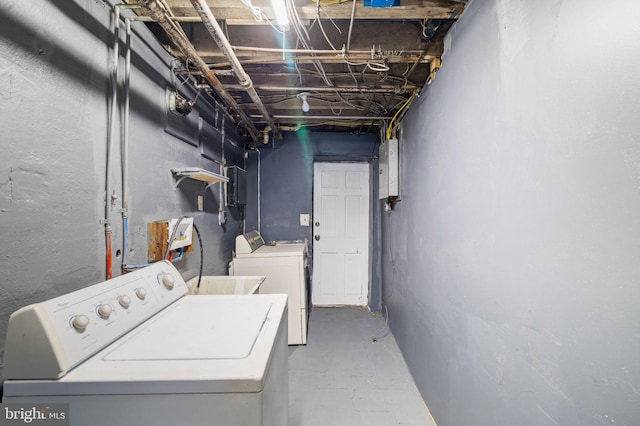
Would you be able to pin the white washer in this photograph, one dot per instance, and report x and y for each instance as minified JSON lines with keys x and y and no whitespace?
{"x":285,"y":267}
{"x":136,"y":350}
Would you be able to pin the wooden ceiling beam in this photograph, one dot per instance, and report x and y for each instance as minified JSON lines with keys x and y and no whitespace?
{"x":234,"y":11}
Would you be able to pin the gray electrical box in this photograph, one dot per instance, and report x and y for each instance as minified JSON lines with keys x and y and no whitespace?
{"x":237,"y":186}
{"x":388,"y":166}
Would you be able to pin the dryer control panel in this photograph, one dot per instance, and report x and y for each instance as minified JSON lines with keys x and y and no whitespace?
{"x":249,"y":242}
{"x":46,"y":340}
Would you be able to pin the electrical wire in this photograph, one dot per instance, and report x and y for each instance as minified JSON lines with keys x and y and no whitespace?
{"x":389,"y":129}
{"x":377,"y":335}
{"x":331,"y":20}
{"x":303,"y":37}
{"x":255,"y":11}
{"x":195,"y":228}
{"x":377,"y":67}
{"x":295,"y":63}
{"x":393,"y":78}
{"x":322,"y":28}
{"x":258,"y":15}
{"x":278,"y":30}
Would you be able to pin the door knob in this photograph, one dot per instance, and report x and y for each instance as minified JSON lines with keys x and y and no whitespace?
{"x":317,"y":237}
{"x":317,"y":223}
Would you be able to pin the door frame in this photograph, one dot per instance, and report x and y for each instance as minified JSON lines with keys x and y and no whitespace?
{"x":370,"y":228}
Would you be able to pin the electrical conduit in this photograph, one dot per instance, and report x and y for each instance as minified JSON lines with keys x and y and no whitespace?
{"x":218,"y":36}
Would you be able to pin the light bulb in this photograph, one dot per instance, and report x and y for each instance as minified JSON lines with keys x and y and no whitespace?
{"x":303,"y":97}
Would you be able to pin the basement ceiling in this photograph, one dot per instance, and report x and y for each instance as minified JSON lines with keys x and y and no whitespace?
{"x":356,"y":64}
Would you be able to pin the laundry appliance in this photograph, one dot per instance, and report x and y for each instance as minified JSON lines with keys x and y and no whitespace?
{"x":284,"y":264}
{"x":136,"y":350}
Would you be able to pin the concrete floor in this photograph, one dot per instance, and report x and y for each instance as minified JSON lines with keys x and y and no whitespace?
{"x":343,"y":378}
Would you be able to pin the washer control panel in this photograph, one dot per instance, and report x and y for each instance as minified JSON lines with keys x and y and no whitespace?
{"x":46,"y":340}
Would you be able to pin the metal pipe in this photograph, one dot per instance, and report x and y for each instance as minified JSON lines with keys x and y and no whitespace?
{"x":218,"y":36}
{"x":124,"y":149}
{"x":221,"y":200}
{"x":367,"y":54}
{"x":125,"y":121}
{"x":353,"y":14}
{"x":267,"y":88}
{"x":156,"y":12}
{"x":259,"y":181}
{"x":314,"y":51}
{"x":326,"y":59}
{"x":415,"y":65}
{"x":186,"y":19}
{"x":108,"y":230}
{"x":325,"y":117}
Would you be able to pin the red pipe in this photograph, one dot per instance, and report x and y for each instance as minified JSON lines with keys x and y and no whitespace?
{"x":107,"y":233}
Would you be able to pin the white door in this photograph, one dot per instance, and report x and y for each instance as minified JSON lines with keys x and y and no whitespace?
{"x":340,"y":234}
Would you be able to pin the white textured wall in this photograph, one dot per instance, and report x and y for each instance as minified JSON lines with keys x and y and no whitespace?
{"x":512,"y":263}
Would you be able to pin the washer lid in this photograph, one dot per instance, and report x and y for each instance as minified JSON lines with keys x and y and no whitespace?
{"x":193,"y":330}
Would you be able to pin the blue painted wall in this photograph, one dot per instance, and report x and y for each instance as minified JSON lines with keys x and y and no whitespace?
{"x":55,"y":62}
{"x":286,"y":177}
{"x":512,"y":264}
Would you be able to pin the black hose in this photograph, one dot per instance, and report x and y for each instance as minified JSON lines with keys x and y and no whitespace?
{"x":201,"y":254}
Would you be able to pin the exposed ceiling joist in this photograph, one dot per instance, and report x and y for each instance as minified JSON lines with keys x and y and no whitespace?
{"x":362,"y":71}
{"x":234,"y":12}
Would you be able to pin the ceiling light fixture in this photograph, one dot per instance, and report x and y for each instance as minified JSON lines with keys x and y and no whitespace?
{"x":280,"y":10}
{"x":305,"y":104}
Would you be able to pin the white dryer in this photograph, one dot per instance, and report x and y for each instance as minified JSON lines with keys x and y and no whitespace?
{"x":136,"y":351}
{"x":284,"y":265}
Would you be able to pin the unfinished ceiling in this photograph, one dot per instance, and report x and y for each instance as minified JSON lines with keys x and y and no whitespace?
{"x":356,"y":64}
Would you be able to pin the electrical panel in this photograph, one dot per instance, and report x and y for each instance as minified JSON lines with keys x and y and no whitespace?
{"x":237,"y":186}
{"x":389,"y":185}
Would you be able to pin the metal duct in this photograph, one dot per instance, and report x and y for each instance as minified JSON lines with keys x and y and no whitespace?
{"x":218,"y":36}
{"x":157,"y":13}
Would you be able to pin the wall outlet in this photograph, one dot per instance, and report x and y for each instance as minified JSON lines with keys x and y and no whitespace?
{"x":304,"y":219}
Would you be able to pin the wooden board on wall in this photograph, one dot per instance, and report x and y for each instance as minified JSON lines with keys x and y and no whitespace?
{"x":159,"y":241}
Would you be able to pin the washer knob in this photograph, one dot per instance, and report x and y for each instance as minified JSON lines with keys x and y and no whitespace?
{"x":124,"y":301}
{"x":105,"y":311}
{"x":167,"y":280}
{"x":141,"y":293}
{"x":80,"y":322}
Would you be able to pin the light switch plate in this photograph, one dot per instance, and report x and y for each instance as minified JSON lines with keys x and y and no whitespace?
{"x":304,"y":220}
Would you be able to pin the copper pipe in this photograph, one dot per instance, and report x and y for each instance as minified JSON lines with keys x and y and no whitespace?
{"x":327,"y":59}
{"x":333,"y":89}
{"x":325,"y":117}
